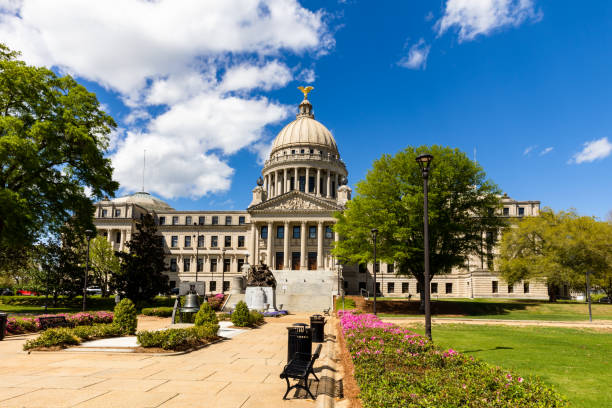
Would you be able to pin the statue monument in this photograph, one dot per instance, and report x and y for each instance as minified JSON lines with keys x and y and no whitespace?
{"x":260,"y":287}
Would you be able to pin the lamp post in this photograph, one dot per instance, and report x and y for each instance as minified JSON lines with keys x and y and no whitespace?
{"x":88,"y":236}
{"x":339,"y":265}
{"x":588,"y":293}
{"x":223,"y":271}
{"x":424,"y":162}
{"x":197,"y":245}
{"x":374,"y":232}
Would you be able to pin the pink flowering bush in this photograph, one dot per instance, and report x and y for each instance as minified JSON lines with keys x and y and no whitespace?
{"x":20,"y":325}
{"x":395,"y":367}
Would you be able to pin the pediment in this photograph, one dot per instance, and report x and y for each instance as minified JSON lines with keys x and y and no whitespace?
{"x":296,"y":201}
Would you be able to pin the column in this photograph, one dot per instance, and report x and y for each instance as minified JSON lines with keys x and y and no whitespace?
{"x":272,"y":182}
{"x":266,"y":186}
{"x":279,"y":183}
{"x":255,"y":259}
{"x":269,"y":249}
{"x":286,"y":246}
{"x":328,"y":183}
{"x":336,"y":187}
{"x":253,"y":247}
{"x":306,"y":181}
{"x":318,"y":183}
{"x":296,"y":184}
{"x":285,"y":182}
{"x":303,"y":246}
{"x":320,"y":245}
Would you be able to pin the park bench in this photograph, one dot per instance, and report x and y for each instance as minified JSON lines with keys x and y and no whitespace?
{"x":299,"y":368}
{"x":326,"y":311}
{"x":47,"y":322}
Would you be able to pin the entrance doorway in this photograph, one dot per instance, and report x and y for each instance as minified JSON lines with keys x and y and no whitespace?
{"x":295,"y":261}
{"x":280,"y":261}
{"x":312,"y":261}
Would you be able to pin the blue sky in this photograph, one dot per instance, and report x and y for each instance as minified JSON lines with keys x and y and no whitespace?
{"x":206,"y":87}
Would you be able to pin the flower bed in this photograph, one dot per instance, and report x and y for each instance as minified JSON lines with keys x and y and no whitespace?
{"x":395,"y":367}
{"x":62,"y":337}
{"x":20,"y":325}
{"x":178,"y":339}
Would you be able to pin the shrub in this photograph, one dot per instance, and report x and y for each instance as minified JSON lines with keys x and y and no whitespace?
{"x":97,"y":331}
{"x":125,"y":316}
{"x":206,"y":315}
{"x":20,"y":325}
{"x":255,"y":318}
{"x":224,"y":316}
{"x":216,"y":301}
{"x":178,"y":339}
{"x":59,"y":337}
{"x":157,"y":311}
{"x":241,"y":316}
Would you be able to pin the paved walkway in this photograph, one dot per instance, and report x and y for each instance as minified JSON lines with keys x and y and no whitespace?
{"x":240,"y":372}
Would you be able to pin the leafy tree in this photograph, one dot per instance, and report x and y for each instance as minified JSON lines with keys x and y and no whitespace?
{"x":560,"y":247}
{"x":53,"y":135}
{"x":103,"y":262}
{"x":462,"y":204}
{"x":141,"y":274}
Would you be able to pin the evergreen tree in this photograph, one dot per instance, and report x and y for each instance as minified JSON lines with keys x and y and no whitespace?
{"x":141,"y":275}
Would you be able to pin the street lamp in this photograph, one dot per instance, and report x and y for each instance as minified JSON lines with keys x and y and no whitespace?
{"x":339,"y":265}
{"x":424,"y":161}
{"x":588,"y":293}
{"x":223,"y":271}
{"x":88,"y":234}
{"x":374,"y":232}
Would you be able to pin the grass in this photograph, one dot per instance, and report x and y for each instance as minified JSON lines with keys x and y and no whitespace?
{"x":34,"y":310}
{"x":577,"y":362}
{"x":348,"y":303}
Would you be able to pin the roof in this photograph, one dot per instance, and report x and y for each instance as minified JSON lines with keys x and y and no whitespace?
{"x":144,"y":200}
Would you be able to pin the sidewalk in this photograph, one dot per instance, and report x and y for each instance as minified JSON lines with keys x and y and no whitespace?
{"x":239,"y":373}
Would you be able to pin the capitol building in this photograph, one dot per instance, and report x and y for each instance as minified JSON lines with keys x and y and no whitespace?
{"x":289,"y":226}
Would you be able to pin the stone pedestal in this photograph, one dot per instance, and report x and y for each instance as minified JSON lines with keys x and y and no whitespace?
{"x":236,"y":285}
{"x":257,"y":297}
{"x":185,"y":288}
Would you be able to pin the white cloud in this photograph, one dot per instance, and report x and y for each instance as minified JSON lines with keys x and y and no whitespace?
{"x":593,"y":150}
{"x":474,"y":17}
{"x":306,"y":75}
{"x":198,"y":61}
{"x":529,"y":149}
{"x":546,"y":151}
{"x":417,"y":56}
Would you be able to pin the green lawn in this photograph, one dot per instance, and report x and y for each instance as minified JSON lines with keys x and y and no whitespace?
{"x":577,"y":362}
{"x":35,"y":310}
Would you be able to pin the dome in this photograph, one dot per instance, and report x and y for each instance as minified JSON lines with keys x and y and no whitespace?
{"x":144,"y":200}
{"x":305,"y":131}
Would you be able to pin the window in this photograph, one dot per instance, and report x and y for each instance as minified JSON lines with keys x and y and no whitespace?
{"x":174,"y":220}
{"x":280,"y":232}
{"x":390,"y":268}
{"x":311,"y":184}
{"x":418,"y":287}
{"x":328,"y":232}
{"x":333,"y":186}
{"x":162,"y":220}
{"x":187,"y":241}
{"x":227,"y":242}
{"x":345,"y":285}
{"x":200,"y":265}
{"x":377,"y":267}
{"x":526,"y":287}
{"x":214,"y":241}
{"x":117,"y":213}
{"x":213,"y":265}
{"x":263,"y":234}
{"x":240,"y":264}
{"x":200,"y":241}
{"x":186,"y":264}
{"x":201,"y":220}
{"x":213,"y":286}
{"x":172,"y":264}
{"x":434,"y":287}
{"x":172,"y":284}
{"x":312,"y":232}
{"x":228,"y":220}
{"x":118,"y":237}
{"x":449,"y":287}
{"x":188,"y":220}
{"x":311,"y":151}
{"x":292,"y":151}
{"x":240,"y":241}
{"x":506,"y":211}
{"x":404,"y":287}
{"x":510,"y":288}
{"x":104,"y":213}
{"x":521,"y":211}
{"x":215,"y":220}
{"x":302,"y":181}
{"x":494,"y":286}
{"x":226,"y":286}
{"x":174,"y":241}
{"x":390,"y":287}
{"x":296,"y":232}
{"x":302,"y":151}
{"x":226,"y":265}
{"x":241,"y":220}
{"x":362,"y":268}
{"x":362,"y":285}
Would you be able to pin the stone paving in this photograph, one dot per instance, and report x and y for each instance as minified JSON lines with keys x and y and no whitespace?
{"x":240,"y":372}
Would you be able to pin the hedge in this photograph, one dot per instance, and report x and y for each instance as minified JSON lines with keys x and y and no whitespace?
{"x":178,"y":339}
{"x":395,"y":368}
{"x":20,"y":325}
{"x":157,"y":311}
{"x":67,"y":336}
{"x":93,"y":302}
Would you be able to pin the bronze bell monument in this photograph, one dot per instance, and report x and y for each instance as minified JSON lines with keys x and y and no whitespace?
{"x":192,"y":304}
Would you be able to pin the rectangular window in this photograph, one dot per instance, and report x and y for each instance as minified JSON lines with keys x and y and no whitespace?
{"x":187,"y":241}
{"x":213,"y":265}
{"x":404,"y":287}
{"x":292,"y":183}
{"x":312,"y":232}
{"x":494,"y":286}
{"x":240,"y":264}
{"x":296,"y":232}
{"x":377,"y":267}
{"x":280,"y":232}
{"x":175,"y":220}
{"x":104,"y":213}
{"x":263,"y":234}
{"x":201,"y":220}
{"x":213,"y":286}
{"x":214,"y":241}
{"x":434,"y":287}
{"x":174,"y":241}
{"x":346,"y":285}
{"x":186,"y":264}
{"x":240,"y":241}
{"x":200,"y":265}
{"x":162,"y":220}
{"x":521,"y":211}
{"x":311,"y":184}
{"x":172,"y":264}
{"x":526,"y":287}
{"x":188,"y":220}
{"x":118,"y":237}
{"x":449,"y":287}
{"x":241,"y":220}
{"x":200,"y":241}
{"x":328,"y":232}
{"x":295,"y":261}
{"x":333,"y":186}
{"x":390,"y":268}
{"x":228,"y":220}
{"x":227,"y":242}
{"x":506,"y":211}
{"x":510,"y":288}
{"x":390,"y":287}
{"x":363,"y":268}
{"x":215,"y":220}
{"x":226,"y":265}
{"x":226,"y":286}
{"x":117,"y":213}
{"x":302,"y":183}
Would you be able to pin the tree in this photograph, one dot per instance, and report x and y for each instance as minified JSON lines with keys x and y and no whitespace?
{"x":53,"y":136}
{"x":560,"y":247}
{"x":462,"y":204}
{"x":141,"y":275}
{"x":103,"y":262}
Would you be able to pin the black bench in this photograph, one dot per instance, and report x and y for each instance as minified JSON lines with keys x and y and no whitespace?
{"x":48,"y":322}
{"x":326,"y":311}
{"x":299,"y":368}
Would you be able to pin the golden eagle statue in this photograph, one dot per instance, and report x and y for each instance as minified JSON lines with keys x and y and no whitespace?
{"x":305,"y":90}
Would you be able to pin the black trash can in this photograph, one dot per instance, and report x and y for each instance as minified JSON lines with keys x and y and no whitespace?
{"x":299,"y":340}
{"x":317,"y":323}
{"x":3,"y":321}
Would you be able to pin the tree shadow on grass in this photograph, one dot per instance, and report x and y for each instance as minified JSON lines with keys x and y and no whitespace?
{"x":492,"y":349}
{"x":454,"y":308}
